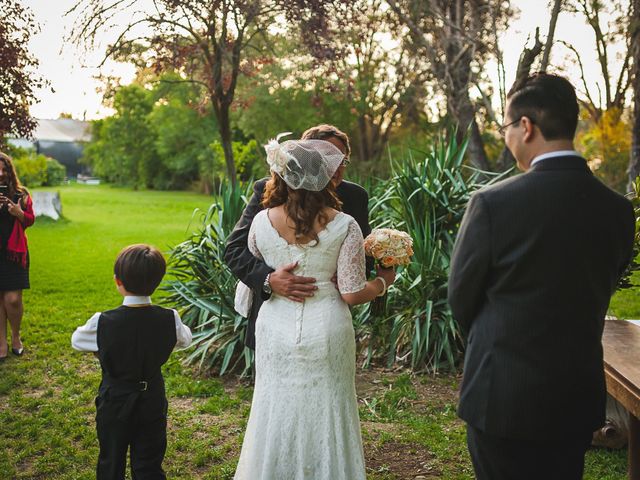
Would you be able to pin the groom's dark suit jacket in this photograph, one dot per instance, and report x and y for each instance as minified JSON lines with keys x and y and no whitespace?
{"x":252,"y":271}
{"x":536,"y":261}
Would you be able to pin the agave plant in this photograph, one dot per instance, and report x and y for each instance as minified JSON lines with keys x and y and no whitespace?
{"x":627,"y":281}
{"x":426,"y":198}
{"x":202,"y":287}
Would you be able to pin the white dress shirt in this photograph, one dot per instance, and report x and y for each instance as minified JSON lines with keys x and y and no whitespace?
{"x":557,"y":153}
{"x":85,"y":339}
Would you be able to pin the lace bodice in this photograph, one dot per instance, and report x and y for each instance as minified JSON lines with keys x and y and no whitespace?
{"x":339,"y":249}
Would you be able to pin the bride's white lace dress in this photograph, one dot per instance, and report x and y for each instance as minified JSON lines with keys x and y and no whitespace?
{"x":304,"y":417}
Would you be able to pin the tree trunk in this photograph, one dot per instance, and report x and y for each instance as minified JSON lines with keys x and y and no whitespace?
{"x":464,"y":113}
{"x":476,"y":148}
{"x":363,"y":139}
{"x":506,"y":159}
{"x":227,"y":146}
{"x":634,"y":160}
{"x":552,"y":30}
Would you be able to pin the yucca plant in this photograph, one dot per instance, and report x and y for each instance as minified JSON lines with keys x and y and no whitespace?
{"x":426,"y":198}
{"x":202,"y":287}
{"x":626,"y":281}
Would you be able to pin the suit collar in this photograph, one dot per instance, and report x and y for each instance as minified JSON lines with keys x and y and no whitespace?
{"x":568,"y":162}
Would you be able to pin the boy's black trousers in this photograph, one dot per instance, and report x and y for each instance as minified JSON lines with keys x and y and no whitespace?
{"x":136,"y":421}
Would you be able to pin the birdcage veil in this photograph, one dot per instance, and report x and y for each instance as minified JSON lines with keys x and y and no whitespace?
{"x":304,"y":164}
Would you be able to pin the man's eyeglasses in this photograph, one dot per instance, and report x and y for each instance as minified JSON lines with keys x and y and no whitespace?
{"x":502,"y":130}
{"x":334,"y":134}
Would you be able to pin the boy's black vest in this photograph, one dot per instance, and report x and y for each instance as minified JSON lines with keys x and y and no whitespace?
{"x":133,"y":344}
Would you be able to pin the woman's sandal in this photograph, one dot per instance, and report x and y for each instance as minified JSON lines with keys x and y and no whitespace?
{"x":17,"y":351}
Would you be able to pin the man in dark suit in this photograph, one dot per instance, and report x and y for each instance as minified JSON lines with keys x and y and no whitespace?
{"x":257,"y":275}
{"x":534,"y":266}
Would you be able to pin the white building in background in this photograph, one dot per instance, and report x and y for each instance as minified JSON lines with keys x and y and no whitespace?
{"x":61,"y":139}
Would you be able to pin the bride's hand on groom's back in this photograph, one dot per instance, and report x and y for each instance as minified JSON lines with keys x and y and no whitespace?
{"x":287,"y":284}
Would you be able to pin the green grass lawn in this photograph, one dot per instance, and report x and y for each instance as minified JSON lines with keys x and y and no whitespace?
{"x":46,"y":397}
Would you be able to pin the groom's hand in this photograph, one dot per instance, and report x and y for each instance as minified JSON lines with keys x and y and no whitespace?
{"x":287,"y":284}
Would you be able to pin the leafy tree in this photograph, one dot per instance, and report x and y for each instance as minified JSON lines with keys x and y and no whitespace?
{"x":378,"y":77}
{"x":17,"y":80}
{"x":182,"y":135}
{"x":607,"y":145}
{"x":455,"y":38}
{"x":284,"y":97}
{"x":612,"y":88}
{"x":122,"y":150}
{"x":608,"y":132}
{"x":634,"y":34}
{"x":205,"y":40}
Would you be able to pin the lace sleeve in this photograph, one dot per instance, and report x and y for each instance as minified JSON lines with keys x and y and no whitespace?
{"x":251,"y":241}
{"x":351,"y":261}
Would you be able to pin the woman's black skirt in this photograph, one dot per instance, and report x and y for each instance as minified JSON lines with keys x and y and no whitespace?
{"x":12,"y":275}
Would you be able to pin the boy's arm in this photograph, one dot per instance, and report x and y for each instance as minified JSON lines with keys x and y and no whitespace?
{"x":183,"y":333}
{"x":85,"y":339}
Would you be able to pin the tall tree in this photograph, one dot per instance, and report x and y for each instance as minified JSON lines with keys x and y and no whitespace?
{"x":454,"y":36}
{"x":526,"y":62}
{"x":605,"y":37}
{"x":378,"y":77}
{"x":605,"y":105}
{"x":634,"y":34}
{"x":557,"y":5}
{"x":527,"y":58}
{"x":205,"y":40}
{"x":18,"y":81}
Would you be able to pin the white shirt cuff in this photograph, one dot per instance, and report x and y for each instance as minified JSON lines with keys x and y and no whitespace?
{"x":85,"y":338}
{"x":183,"y":333}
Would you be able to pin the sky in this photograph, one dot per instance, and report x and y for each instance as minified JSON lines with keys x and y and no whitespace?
{"x":71,"y":71}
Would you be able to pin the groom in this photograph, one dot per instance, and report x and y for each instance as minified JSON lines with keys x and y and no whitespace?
{"x":534,"y":266}
{"x":264,"y":280}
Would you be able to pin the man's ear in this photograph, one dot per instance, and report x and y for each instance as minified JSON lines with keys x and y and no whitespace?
{"x":529,"y":129}
{"x":117,"y":280}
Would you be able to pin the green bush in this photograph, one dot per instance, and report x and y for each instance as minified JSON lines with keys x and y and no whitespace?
{"x":248,"y":157}
{"x":627,"y":279}
{"x":56,"y":173}
{"x":34,"y":169}
{"x":31,"y":168}
{"x":426,"y":198}
{"x":202,"y":287}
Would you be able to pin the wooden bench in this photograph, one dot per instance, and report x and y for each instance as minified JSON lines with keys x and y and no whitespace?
{"x":621,"y":342}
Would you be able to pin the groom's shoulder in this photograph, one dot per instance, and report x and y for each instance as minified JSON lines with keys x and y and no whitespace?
{"x":259,"y":185}
{"x":508,"y":186}
{"x":351,"y":189}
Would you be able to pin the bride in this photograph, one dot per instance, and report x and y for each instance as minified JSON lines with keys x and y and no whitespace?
{"x":304,"y":416}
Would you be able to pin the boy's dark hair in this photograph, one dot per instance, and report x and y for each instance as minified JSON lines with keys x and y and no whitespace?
{"x":140,"y":268}
{"x":549,"y":101}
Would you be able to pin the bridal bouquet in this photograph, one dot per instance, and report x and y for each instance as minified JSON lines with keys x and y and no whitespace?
{"x":389,"y":248}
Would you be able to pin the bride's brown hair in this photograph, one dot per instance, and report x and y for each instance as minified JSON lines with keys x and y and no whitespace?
{"x":302,"y":206}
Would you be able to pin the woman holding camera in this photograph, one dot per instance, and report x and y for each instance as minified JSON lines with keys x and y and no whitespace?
{"x":16,"y":214}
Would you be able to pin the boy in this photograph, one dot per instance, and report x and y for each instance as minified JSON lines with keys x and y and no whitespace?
{"x":132,"y":343}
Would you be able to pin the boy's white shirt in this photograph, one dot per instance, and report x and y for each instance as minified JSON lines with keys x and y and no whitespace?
{"x":85,"y":338}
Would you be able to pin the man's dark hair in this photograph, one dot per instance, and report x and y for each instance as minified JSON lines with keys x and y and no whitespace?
{"x":324,"y":132}
{"x":140,"y":268}
{"x":549,"y":101}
